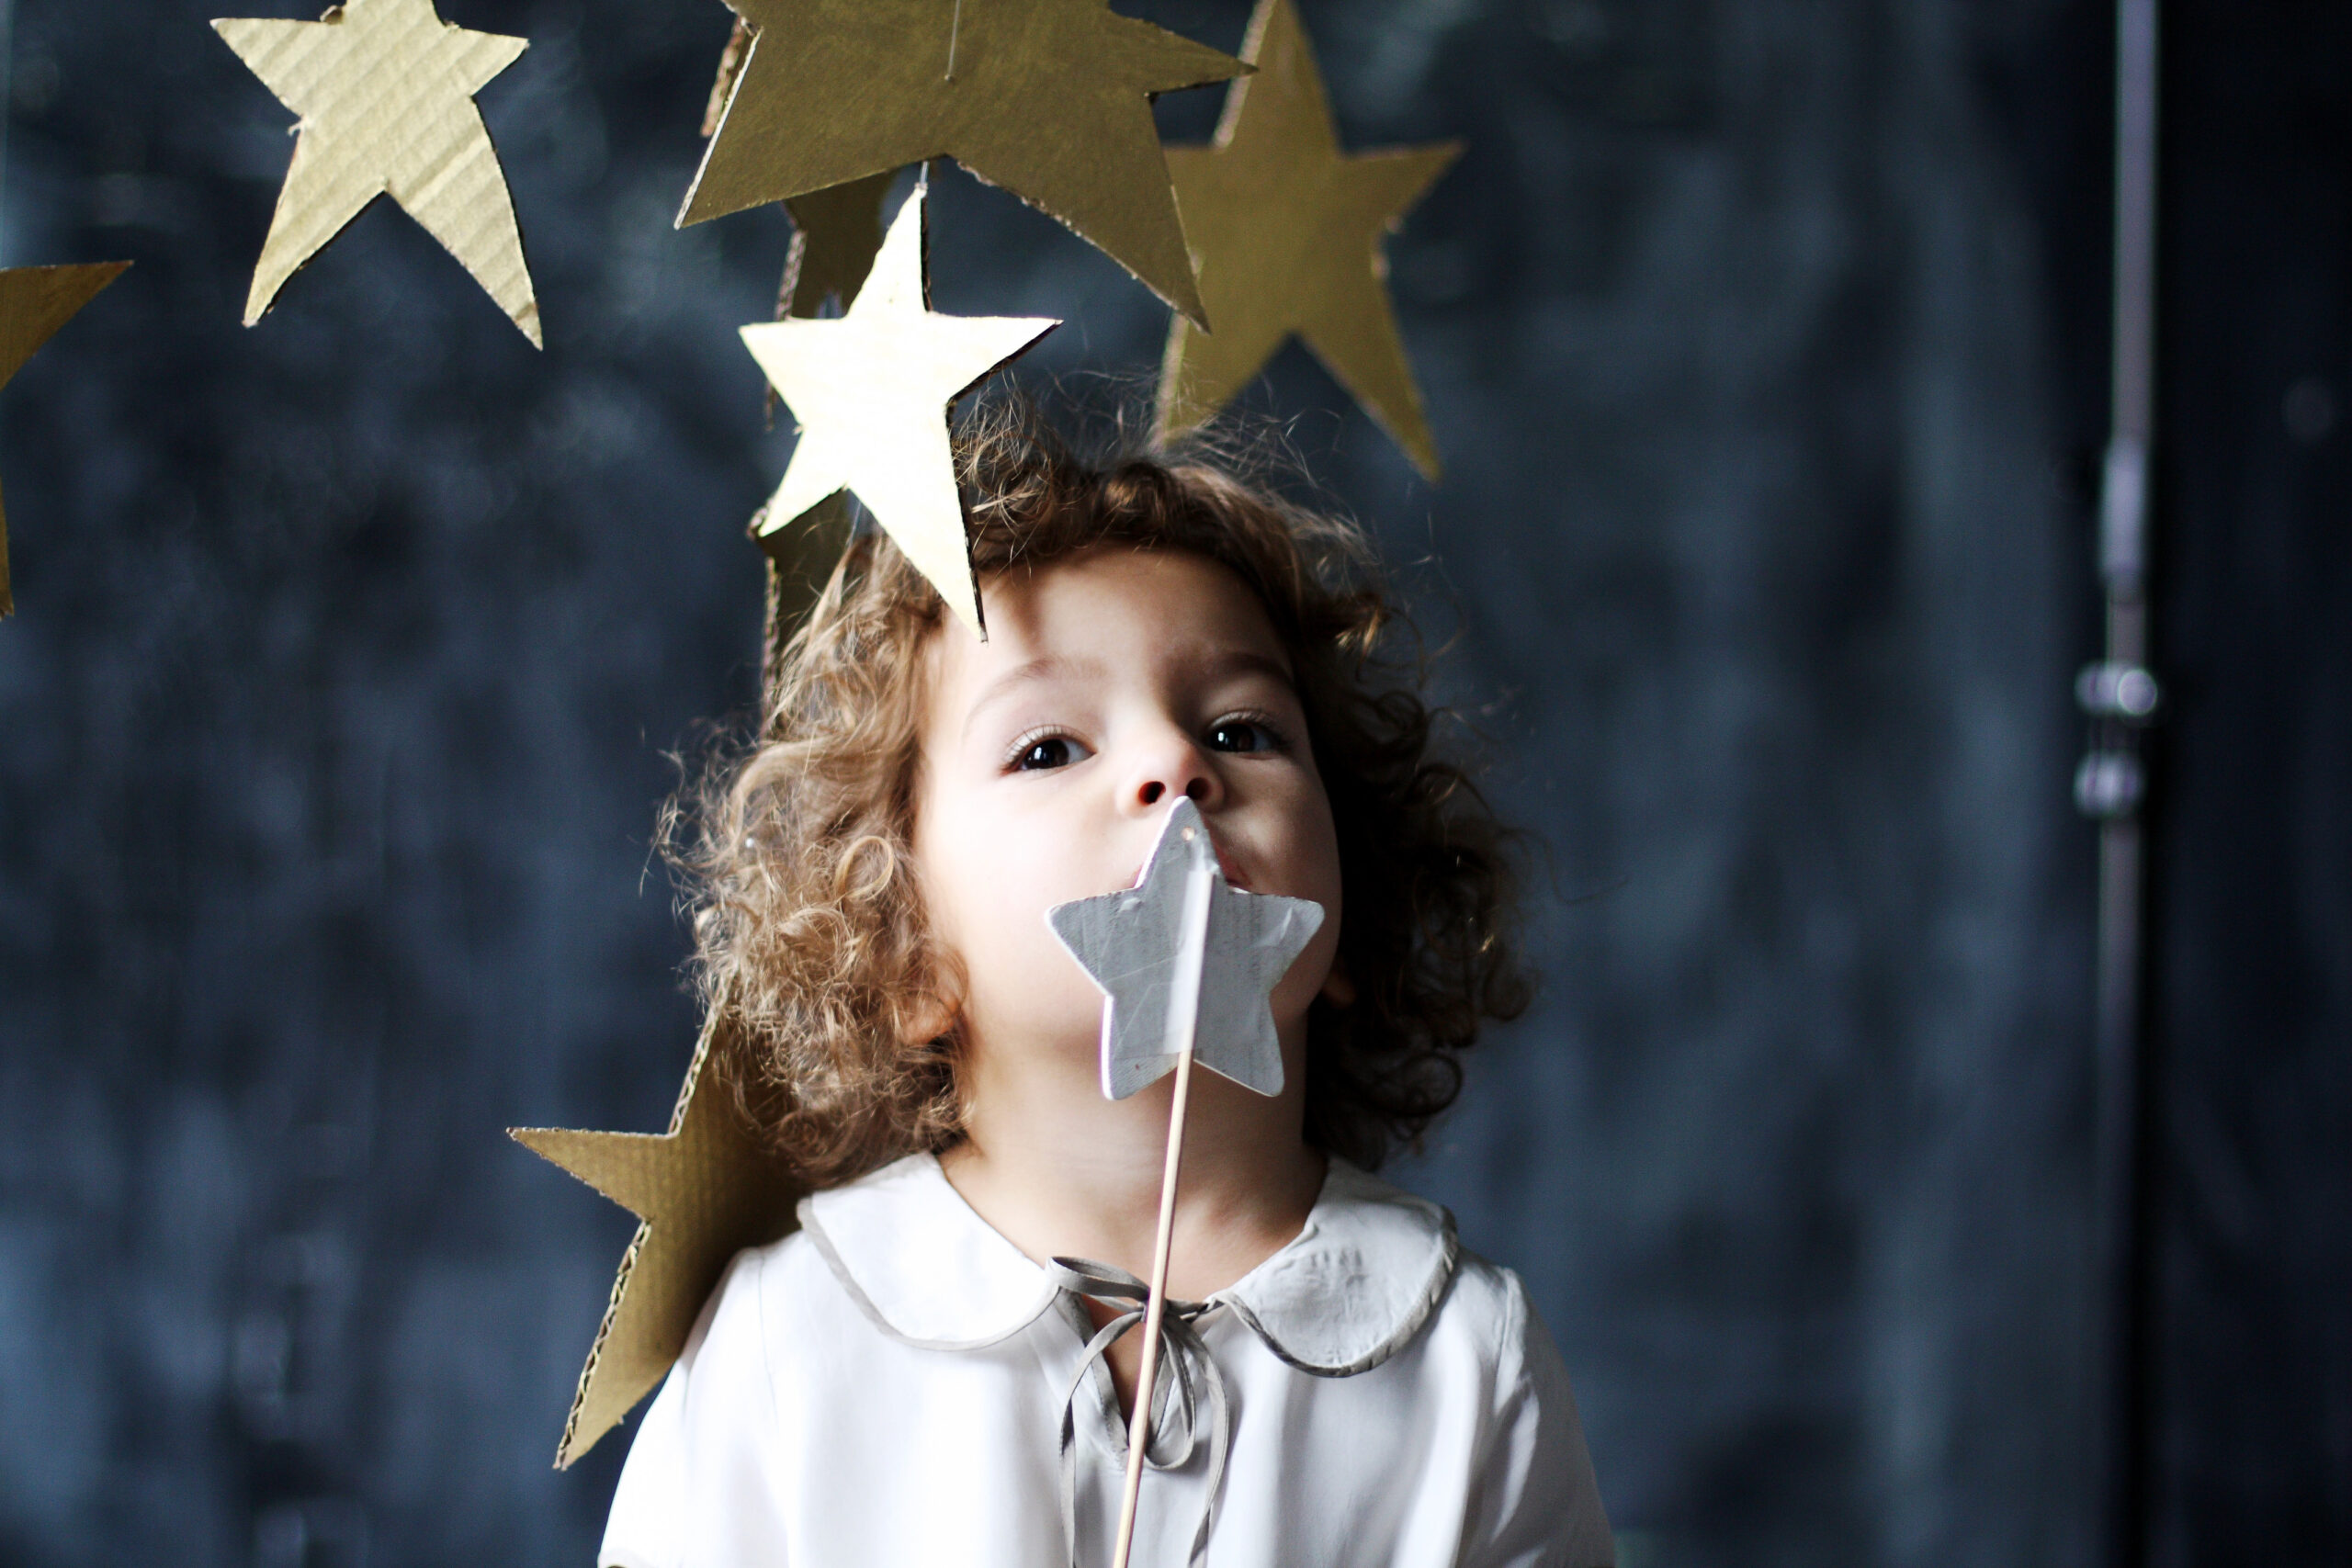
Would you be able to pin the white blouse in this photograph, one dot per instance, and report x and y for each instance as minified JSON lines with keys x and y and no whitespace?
{"x":897,"y":1385}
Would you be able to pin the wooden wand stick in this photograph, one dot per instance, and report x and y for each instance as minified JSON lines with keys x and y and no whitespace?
{"x":1183,"y":1015}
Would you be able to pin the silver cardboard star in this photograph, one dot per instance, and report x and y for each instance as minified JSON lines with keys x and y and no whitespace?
{"x":1135,"y":945}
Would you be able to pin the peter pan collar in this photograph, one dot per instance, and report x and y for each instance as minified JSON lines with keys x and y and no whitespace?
{"x":1350,"y":1290}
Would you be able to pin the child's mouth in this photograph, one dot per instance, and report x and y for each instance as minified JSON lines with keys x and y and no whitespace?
{"x":1225,"y":863}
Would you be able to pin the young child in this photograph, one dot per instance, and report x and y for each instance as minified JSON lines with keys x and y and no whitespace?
{"x":905,"y":1379}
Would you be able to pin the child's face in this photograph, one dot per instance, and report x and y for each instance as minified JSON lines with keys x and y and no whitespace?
{"x":1110,"y":683}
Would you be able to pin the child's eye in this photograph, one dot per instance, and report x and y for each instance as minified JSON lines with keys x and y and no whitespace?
{"x":1243,"y":735}
{"x":1031,"y":755}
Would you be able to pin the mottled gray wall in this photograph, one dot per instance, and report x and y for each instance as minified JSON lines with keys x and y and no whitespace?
{"x":349,"y":647}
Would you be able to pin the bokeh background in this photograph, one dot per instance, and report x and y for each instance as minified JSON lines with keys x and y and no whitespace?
{"x":1765,"y":340}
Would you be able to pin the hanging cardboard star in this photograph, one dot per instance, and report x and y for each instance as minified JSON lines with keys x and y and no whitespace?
{"x":871,"y":393}
{"x":1049,"y":99}
{"x":703,"y":1191}
{"x":1288,"y":230}
{"x":1166,"y":971}
{"x":34,"y":302}
{"x":385,"y":90}
{"x":835,"y":231}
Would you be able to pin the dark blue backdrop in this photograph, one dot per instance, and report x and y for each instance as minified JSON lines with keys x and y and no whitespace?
{"x":1764,"y":343}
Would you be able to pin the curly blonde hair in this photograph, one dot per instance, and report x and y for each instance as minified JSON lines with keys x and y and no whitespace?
{"x":795,"y":848}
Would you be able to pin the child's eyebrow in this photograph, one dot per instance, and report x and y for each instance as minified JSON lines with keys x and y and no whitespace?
{"x":1046,"y":667}
{"x":1242,"y":661}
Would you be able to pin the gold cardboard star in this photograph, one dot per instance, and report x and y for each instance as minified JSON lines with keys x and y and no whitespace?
{"x":1049,"y":99}
{"x":1287,"y":232}
{"x":703,"y":1191}
{"x":34,"y":302}
{"x":385,"y":90}
{"x":871,"y":392}
{"x":835,"y":231}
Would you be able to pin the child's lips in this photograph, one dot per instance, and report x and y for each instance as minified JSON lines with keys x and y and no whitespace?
{"x":1234,"y":875}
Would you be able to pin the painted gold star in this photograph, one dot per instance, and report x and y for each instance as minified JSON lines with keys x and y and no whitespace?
{"x":385,"y":90}
{"x":1049,"y":99}
{"x":1287,"y":232}
{"x":34,"y":302}
{"x":871,"y":392}
{"x":835,"y":231}
{"x":702,"y":1191}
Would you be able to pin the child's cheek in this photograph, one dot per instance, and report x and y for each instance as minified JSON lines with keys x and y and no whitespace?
{"x":1024,"y":990}
{"x":1299,"y":988}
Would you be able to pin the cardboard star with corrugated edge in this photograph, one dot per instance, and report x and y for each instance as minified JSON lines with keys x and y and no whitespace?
{"x":835,"y":231}
{"x":1286,"y":230}
{"x":385,"y":90}
{"x":35,"y":302}
{"x":871,"y":392}
{"x":1050,"y":98}
{"x":703,"y":1191}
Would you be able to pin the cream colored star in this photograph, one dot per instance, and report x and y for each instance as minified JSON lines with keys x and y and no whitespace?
{"x":385,"y":90}
{"x":1286,"y":230}
{"x":871,"y":393}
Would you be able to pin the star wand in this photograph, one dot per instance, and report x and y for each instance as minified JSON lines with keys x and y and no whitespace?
{"x":1186,"y":963}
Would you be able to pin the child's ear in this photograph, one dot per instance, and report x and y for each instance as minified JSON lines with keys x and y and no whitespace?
{"x":1338,"y":989}
{"x":925,"y":1019}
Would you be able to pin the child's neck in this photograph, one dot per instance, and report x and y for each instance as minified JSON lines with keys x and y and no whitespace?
{"x":1059,"y":1170}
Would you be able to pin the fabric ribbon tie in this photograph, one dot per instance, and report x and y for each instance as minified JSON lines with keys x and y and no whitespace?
{"x":1188,"y":1378}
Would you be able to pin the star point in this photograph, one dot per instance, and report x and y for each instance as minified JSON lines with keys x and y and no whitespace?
{"x":871,"y":391}
{"x":1288,"y":230}
{"x":384,"y":89}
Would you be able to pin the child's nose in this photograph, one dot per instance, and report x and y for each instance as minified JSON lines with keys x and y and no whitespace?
{"x":1175,"y":766}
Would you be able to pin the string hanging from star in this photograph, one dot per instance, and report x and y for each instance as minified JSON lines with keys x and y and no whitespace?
{"x":871,"y":393}
{"x":1049,"y":99}
{"x":385,"y":90}
{"x":1288,"y":230}
{"x":35,"y":302}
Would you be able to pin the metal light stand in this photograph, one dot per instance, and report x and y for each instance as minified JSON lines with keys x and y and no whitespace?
{"x":2119,"y":697}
